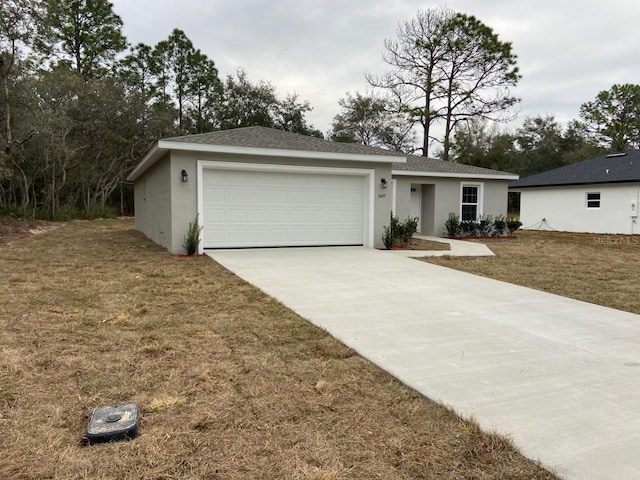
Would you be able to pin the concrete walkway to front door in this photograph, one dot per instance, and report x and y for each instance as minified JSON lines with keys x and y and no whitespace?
{"x":457,"y":248}
{"x":559,"y":376}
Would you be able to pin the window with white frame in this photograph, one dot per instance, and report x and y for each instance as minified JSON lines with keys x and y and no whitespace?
{"x":593,"y":199}
{"x":470,"y":201}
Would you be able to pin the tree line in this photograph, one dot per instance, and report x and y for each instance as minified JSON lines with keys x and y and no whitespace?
{"x":79,"y":106}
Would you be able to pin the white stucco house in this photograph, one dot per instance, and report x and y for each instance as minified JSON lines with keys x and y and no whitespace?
{"x":261,"y":187}
{"x":598,"y":195}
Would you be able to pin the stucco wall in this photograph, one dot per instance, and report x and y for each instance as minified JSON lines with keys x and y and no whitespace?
{"x":441,"y":196}
{"x":152,"y":203}
{"x":565,"y":208}
{"x":184,"y":197}
{"x":496,"y":198}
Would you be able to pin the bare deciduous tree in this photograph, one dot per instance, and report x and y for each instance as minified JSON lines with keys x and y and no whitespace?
{"x":448,"y":67}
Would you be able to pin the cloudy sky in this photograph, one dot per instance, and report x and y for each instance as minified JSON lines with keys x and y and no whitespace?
{"x":568,"y":50}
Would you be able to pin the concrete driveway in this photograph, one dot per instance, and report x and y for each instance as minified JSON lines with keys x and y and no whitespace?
{"x":559,"y":376}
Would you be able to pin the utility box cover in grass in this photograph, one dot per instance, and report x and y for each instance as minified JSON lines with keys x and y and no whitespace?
{"x":113,"y":422}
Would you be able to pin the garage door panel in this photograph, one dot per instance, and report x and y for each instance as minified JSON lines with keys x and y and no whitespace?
{"x":259,"y":179}
{"x":260,"y":195}
{"x":236,"y":195}
{"x":216,"y":215}
{"x":297,"y":197}
{"x":236,"y":216}
{"x":278,"y":216}
{"x":318,"y":219}
{"x":255,"y":209}
{"x":298,"y":235}
{"x":278,"y":196}
{"x":298,"y":218}
{"x":214,"y":195}
{"x":277,"y":236}
{"x":317,"y":198}
{"x":258,"y":216}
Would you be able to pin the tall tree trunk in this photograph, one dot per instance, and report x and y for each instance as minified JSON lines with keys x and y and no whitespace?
{"x":5,"y":71}
{"x":426,"y":125}
{"x":446,"y":144}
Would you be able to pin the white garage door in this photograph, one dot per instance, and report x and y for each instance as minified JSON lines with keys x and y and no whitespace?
{"x":274,"y":209}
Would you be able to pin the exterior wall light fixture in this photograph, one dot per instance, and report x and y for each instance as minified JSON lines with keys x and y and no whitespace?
{"x":383,"y":183}
{"x":185,"y":176}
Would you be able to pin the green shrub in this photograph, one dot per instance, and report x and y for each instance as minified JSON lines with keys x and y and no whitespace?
{"x":513,"y":224}
{"x":399,"y":233}
{"x":452,"y":225}
{"x":394,"y":226}
{"x":485,"y":225}
{"x":469,"y":227}
{"x":499,"y":226}
{"x":63,"y":213}
{"x":66,"y":213}
{"x":387,"y":237}
{"x":192,"y":239}
{"x":406,"y":229}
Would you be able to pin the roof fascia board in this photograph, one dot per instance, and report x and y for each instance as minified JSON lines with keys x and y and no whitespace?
{"x":147,"y":161}
{"x":275,"y":152}
{"x":486,"y":176}
{"x":581,"y":184}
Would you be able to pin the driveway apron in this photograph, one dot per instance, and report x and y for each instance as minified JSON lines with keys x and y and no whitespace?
{"x":558,"y":376}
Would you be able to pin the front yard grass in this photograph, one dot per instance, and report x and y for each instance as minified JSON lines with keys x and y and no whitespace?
{"x":601,"y":269}
{"x":231,"y":383}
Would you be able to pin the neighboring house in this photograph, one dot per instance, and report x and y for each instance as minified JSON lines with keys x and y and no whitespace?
{"x":261,"y":187}
{"x":599,"y":195}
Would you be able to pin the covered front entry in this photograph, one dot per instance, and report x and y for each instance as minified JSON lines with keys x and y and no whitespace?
{"x":415,"y":207}
{"x":421,"y":202}
{"x":244,"y":206}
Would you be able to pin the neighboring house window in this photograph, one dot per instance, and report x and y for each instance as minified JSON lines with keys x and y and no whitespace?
{"x":593,"y":199}
{"x":471,"y":202}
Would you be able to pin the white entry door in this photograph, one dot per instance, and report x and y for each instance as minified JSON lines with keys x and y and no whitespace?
{"x":244,"y":208}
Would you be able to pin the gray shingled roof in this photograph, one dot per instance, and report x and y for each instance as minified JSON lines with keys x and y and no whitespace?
{"x":607,"y":168}
{"x":423,"y":164}
{"x":263,"y":137}
{"x":270,"y":138}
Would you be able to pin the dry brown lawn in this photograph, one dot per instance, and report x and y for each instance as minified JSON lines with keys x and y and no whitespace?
{"x":13,"y":228}
{"x":231,"y":383}
{"x":601,"y":269}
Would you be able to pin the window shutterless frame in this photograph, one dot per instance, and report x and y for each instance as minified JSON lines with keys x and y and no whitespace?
{"x":471,"y":201}
{"x":593,"y":199}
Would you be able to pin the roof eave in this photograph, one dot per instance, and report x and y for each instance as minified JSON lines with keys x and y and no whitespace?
{"x":162,"y":146}
{"x":575,"y":184}
{"x":151,"y":157}
{"x":484,"y":176}
{"x":278,"y":152}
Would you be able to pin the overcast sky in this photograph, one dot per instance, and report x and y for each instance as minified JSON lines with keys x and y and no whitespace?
{"x":568,"y":50}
